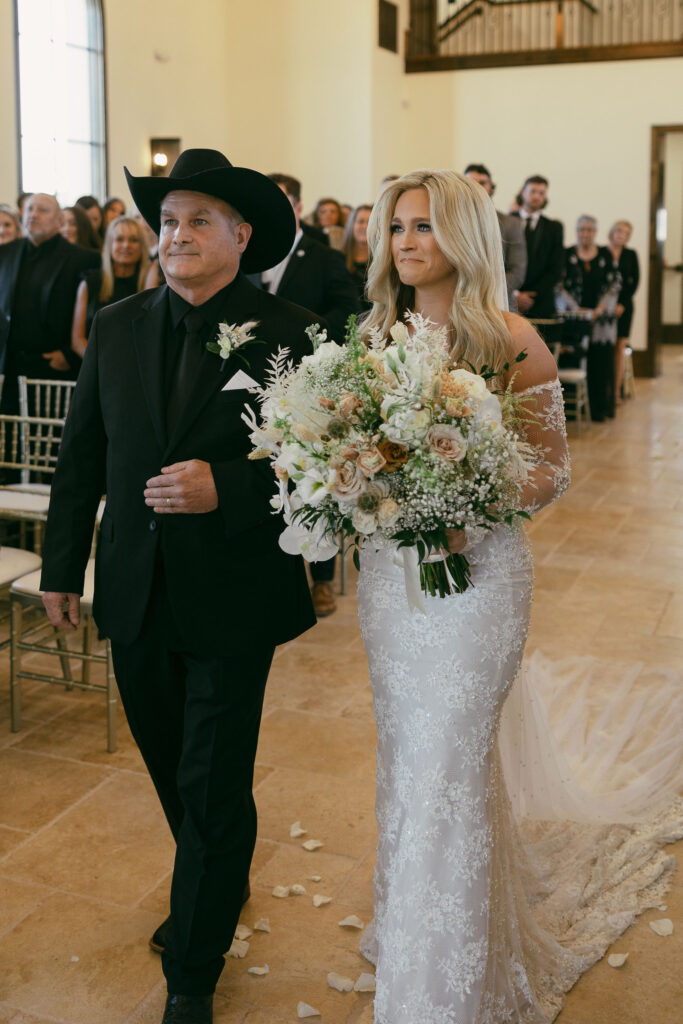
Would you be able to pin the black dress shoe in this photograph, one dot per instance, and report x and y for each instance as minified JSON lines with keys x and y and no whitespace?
{"x":158,"y":940}
{"x":188,"y":1010}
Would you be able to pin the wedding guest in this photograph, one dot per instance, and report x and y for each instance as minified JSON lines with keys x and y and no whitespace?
{"x":627,"y":261}
{"x":39,"y":276}
{"x":346,"y":210}
{"x":10,"y":224}
{"x":21,"y":202}
{"x":77,"y":229}
{"x":93,"y":210}
{"x":112,"y":209}
{"x":592,"y":282}
{"x":314,"y":276}
{"x":329,"y":218}
{"x":545,"y":254}
{"x":124,"y":272}
{"x":356,"y":250}
{"x":514,"y":244}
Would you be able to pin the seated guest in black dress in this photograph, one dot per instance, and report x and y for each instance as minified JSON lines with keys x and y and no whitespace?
{"x":77,"y":228}
{"x":592,"y":282}
{"x":124,"y":268}
{"x":356,"y":250}
{"x":627,"y":260}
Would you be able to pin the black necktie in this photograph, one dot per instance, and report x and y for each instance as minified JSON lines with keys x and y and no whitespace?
{"x":187,"y":365}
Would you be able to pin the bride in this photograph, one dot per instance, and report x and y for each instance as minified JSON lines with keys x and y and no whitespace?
{"x":454,"y":938}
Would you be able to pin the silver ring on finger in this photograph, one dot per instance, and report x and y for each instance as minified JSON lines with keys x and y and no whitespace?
{"x":168,"y":501}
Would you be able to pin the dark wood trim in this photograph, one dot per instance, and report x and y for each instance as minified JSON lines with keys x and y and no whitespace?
{"x":572,"y":55}
{"x":672,"y":334}
{"x":648,"y":361}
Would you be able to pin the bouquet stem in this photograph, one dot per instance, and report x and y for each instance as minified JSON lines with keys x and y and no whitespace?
{"x":451,"y":575}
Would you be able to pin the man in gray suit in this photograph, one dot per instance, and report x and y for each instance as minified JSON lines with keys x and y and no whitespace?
{"x":512,"y":231}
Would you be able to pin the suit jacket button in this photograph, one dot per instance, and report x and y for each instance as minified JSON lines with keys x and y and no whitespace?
{"x":153,"y":525}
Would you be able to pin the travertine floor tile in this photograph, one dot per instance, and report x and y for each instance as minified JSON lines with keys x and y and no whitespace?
{"x":79,"y":733}
{"x":17,"y":899}
{"x":112,"y":974}
{"x":128,"y":848}
{"x":36,"y":789}
{"x":317,"y":743}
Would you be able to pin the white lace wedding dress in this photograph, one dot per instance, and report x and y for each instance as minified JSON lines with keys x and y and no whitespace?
{"x":485,"y":912}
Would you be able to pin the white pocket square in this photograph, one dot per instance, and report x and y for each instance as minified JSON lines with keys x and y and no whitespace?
{"x":238,"y":381}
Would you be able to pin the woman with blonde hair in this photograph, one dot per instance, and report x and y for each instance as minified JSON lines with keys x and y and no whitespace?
{"x":10,"y":224}
{"x":453,"y":937}
{"x":629,"y":269}
{"x":125,"y":262}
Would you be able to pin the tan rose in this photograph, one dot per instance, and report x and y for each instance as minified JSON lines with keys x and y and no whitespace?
{"x":395,"y":455}
{"x":447,"y":442}
{"x":349,"y":482}
{"x":326,"y":403}
{"x":348,"y":405}
{"x":387,"y":512}
{"x":370,"y":461}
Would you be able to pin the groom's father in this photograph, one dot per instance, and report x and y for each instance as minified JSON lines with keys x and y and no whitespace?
{"x":190,"y":584}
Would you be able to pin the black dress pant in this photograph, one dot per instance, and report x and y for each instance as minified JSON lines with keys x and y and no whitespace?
{"x":600,"y":374}
{"x":196,"y":721}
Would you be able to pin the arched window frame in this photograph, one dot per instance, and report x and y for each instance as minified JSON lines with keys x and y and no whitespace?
{"x":75,"y":161}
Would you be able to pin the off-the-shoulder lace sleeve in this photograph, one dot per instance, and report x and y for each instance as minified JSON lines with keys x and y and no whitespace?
{"x":545,"y":430}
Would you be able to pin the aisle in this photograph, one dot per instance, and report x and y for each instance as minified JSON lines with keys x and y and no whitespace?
{"x":85,"y":855}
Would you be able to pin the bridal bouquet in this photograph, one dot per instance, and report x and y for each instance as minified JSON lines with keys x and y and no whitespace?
{"x":385,"y":443}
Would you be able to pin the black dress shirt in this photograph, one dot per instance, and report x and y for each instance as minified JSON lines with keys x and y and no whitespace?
{"x":175,"y":328}
{"x":27,"y":331}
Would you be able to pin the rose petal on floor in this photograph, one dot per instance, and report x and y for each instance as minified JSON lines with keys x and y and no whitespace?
{"x":617,"y":959}
{"x":295,"y":830}
{"x":262,"y":925}
{"x":351,"y":922}
{"x":281,"y":892}
{"x":304,"y":1010}
{"x":339,"y":982}
{"x":298,"y":890}
{"x":321,"y":901}
{"x":259,"y":971}
{"x":664,"y":926}
{"x":368,"y":983}
{"x":239,"y":949}
{"x":312,"y":844}
{"x":242,"y":932}
{"x":316,"y":878}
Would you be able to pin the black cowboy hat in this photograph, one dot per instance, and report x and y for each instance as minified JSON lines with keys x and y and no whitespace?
{"x":259,"y":200}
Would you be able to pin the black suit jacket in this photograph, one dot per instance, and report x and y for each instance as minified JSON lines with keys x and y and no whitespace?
{"x":545,"y":265}
{"x":56,"y":302}
{"x":227,"y":578}
{"x":316,"y":278}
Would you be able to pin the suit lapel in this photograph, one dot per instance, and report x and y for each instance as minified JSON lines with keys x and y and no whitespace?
{"x":240,"y":306}
{"x":12,"y":275}
{"x":294,"y":263}
{"x":148,"y":338}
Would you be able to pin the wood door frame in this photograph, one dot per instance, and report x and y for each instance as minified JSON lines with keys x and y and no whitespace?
{"x":647,"y":361}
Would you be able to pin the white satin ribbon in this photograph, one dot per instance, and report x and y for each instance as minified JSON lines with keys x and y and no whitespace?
{"x":408,"y":559}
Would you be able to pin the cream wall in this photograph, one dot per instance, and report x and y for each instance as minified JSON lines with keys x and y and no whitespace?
{"x":8,"y":129}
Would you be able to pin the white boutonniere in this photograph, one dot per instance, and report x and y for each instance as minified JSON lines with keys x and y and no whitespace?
{"x":232,"y":337}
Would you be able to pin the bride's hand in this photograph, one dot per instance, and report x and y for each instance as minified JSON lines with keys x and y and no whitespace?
{"x":456,"y":540}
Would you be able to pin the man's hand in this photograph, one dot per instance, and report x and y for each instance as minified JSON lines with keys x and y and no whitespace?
{"x":183,"y":487}
{"x":619,"y":310}
{"x":56,"y":359}
{"x":525,"y":301}
{"x":63,"y":610}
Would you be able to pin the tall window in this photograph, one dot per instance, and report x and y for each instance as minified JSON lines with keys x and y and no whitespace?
{"x":61,"y":98}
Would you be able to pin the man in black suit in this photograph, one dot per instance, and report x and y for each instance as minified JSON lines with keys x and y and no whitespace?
{"x":39,"y":277}
{"x":511,"y":233}
{"x":190,"y":583}
{"x":314,"y":276}
{"x":545,"y":252}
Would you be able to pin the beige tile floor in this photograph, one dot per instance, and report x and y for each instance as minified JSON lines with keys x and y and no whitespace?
{"x":85,"y":855}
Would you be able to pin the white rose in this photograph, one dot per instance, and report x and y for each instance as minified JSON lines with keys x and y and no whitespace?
{"x":407,"y":424}
{"x":364,"y":522}
{"x":489,"y":411}
{"x":473,"y":384}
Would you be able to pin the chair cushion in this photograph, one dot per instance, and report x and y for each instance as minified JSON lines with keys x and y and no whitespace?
{"x":29,"y":488}
{"x":571,"y":376}
{"x":22,"y":501}
{"x":29,"y":587}
{"x":15,"y":563}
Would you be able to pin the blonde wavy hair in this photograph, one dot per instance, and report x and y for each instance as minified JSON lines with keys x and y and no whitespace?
{"x":107,"y":287}
{"x":465,"y":226}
